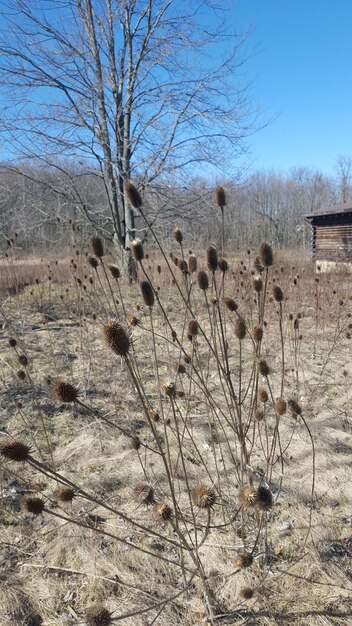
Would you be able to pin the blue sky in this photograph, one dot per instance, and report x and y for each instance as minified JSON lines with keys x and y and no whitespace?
{"x":301,"y":71}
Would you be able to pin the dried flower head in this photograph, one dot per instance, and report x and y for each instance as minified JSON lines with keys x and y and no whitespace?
{"x":147,"y":293}
{"x":277,"y":293}
{"x":179,"y":368}
{"x":259,"y":415}
{"x":133,"y":195}
{"x":177,"y":234}
{"x":212,"y":258}
{"x":169,"y":388}
{"x":223,"y":265}
{"x":262,"y":395}
{"x":266,"y":255}
{"x":97,"y":615}
{"x":114,"y":271}
{"x":247,"y":496}
{"x":182,"y":266}
{"x":164,"y":511}
{"x":193,"y":328}
{"x":12,"y":342}
{"x":220,"y":197}
{"x":280,"y":406}
{"x":14,"y":450}
{"x":257,"y":333}
{"x":294,"y":407}
{"x":137,"y":250}
{"x":154,"y":415}
{"x":263,"y":499}
{"x":230,"y":304}
{"x":257,"y":284}
{"x":117,"y":338}
{"x":240,"y":328}
{"x":93,"y":261}
{"x":64,"y":391}
{"x":135,"y":443}
{"x":192,"y":263}
{"x":65,"y":494}
{"x":98,"y":248}
{"x":144,"y":493}
{"x":204,"y":497}
{"x":23,"y":360}
{"x":203,"y":280}
{"x":244,"y":560}
{"x":263,"y":367}
{"x":32,"y":504}
{"x":21,"y":374}
{"x":132,"y":320}
{"x":246,"y":593}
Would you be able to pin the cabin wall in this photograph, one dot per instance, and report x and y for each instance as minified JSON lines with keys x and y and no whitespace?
{"x":332,"y":242}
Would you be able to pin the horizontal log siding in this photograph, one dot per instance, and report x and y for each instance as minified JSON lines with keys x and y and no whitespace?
{"x":333,"y":242}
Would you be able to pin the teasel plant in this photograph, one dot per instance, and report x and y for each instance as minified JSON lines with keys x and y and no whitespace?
{"x":218,"y":423}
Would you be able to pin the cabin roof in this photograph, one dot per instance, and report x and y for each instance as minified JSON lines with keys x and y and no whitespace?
{"x":342,"y":208}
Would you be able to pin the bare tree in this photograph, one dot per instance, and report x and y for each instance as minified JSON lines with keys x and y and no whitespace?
{"x":128,"y":88}
{"x":343,"y":169}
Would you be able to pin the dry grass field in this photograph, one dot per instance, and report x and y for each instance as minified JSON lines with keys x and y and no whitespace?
{"x":156,"y":478}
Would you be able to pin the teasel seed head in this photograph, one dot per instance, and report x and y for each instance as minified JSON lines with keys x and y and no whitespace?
{"x":223,"y":265}
{"x":147,"y":293}
{"x":164,"y":511}
{"x":266,"y":255}
{"x":259,"y":415}
{"x":204,"y":497}
{"x":144,"y":493}
{"x":294,"y":407}
{"x":230,"y":304}
{"x":132,"y":320}
{"x":244,"y":560}
{"x":182,"y":266}
{"x":193,"y":328}
{"x":133,"y":195}
{"x":247,"y":496}
{"x":116,"y":338}
{"x":65,"y":494}
{"x":280,"y":406}
{"x":64,"y":391}
{"x":169,"y":388}
{"x":114,"y":271}
{"x":14,"y":450}
{"x":178,"y":236}
{"x":179,"y":368}
{"x":192,"y":263}
{"x":203,"y":280}
{"x":257,"y":333}
{"x":154,"y":415}
{"x":240,"y":328}
{"x":262,"y":395}
{"x":246,"y":593}
{"x":98,"y":248}
{"x":220,"y":197}
{"x":278,"y":294}
{"x":97,"y":615}
{"x":23,"y":360}
{"x":32,"y":504}
{"x":21,"y":374}
{"x":263,"y":499}
{"x":12,"y":342}
{"x":137,"y":250}
{"x":258,"y":284}
{"x":135,"y":443}
{"x":93,"y":261}
{"x":212,"y":258}
{"x":258,"y":266}
{"x":263,"y":367}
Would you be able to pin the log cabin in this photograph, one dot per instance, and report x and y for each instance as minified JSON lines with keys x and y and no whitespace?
{"x":332,"y":237}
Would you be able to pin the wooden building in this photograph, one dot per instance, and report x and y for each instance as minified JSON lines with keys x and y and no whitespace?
{"x":332,"y":236}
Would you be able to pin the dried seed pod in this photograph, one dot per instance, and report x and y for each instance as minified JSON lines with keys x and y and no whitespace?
{"x":14,"y":450}
{"x":192,"y":263}
{"x":263,"y":498}
{"x":212,"y":258}
{"x":117,"y":338}
{"x":93,"y":261}
{"x":280,"y":406}
{"x":32,"y":504}
{"x":246,"y":593}
{"x":223,"y":265}
{"x":266,"y":255}
{"x":64,"y":391}
{"x":262,"y":395}
{"x":258,"y":266}
{"x":257,"y":284}
{"x":135,"y":443}
{"x":98,"y":248}
{"x":133,"y":195}
{"x":278,"y":294}
{"x":204,"y":497}
{"x":137,"y":250}
{"x":147,"y":293}
{"x":263,"y":367}
{"x":169,"y":388}
{"x":21,"y":374}
{"x":179,"y":368}
{"x":114,"y":271}
{"x":257,"y":333}
{"x":65,"y":494}
{"x":177,"y":234}
{"x":12,"y":342}
{"x":144,"y":493}
{"x":22,"y":359}
{"x":203,"y":280}
{"x":132,"y":320}
{"x":259,"y":415}
{"x":154,"y":415}
{"x":230,"y":304}
{"x":294,"y":407}
{"x":164,"y":511}
{"x":240,"y":328}
{"x":193,"y":328}
{"x":247,"y":495}
{"x":182,"y":266}
{"x":244,"y":560}
{"x":97,"y":615}
{"x":220,"y":197}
